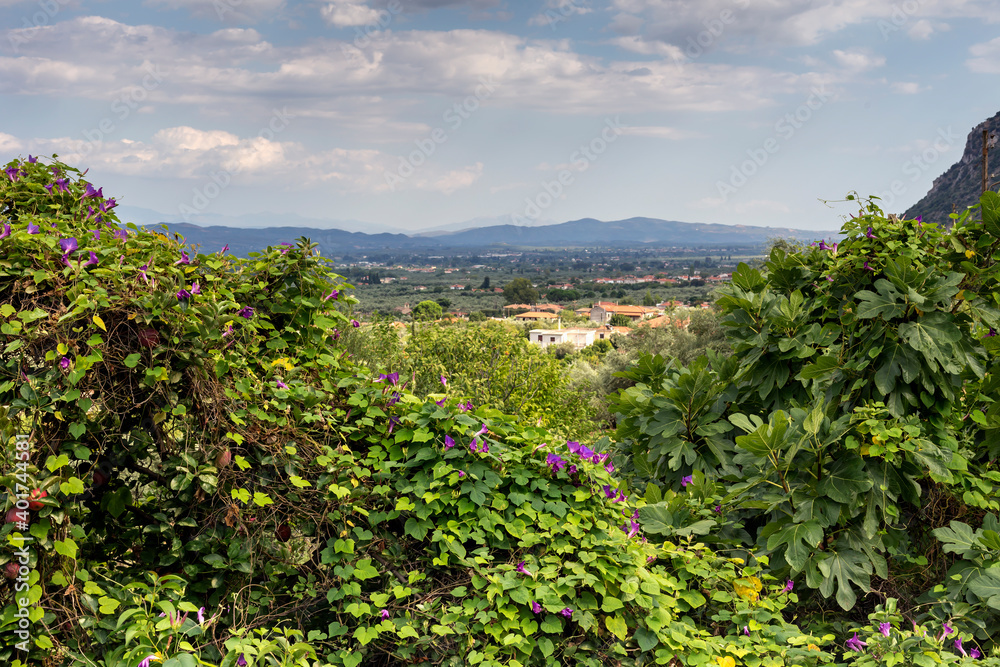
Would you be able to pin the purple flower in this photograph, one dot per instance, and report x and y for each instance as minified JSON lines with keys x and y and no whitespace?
{"x":32,"y":160}
{"x":384,"y":614}
{"x":355,"y":324}
{"x":958,"y":645}
{"x":64,"y":363}
{"x":461,"y":474}
{"x":823,"y":246}
{"x":183,"y":295}
{"x":746,"y":631}
{"x":145,"y":661}
{"x":523,"y":570}
{"x":856,"y":644}
{"x":34,"y":229}
{"x":332,"y":295}
{"x":246,"y":313}
{"x":281,"y":385}
{"x":62,"y":185}
{"x":285,"y":249}
{"x":228,"y":331}
{"x":567,"y":612}
{"x":465,"y":407}
{"x":608,"y":491}
{"x":947,"y":630}
{"x":573,"y":446}
{"x":992,"y":332}
{"x":91,"y":192}
{"x":393,"y":378}
{"x":241,"y":661}
{"x":919,"y":218}
{"x":69,"y":246}
{"x":474,"y":445}
{"x":974,"y":653}
{"x":572,"y":469}
{"x":142,"y":272}
{"x":868,"y":268}
{"x":686,"y":480}
{"x":449,"y":442}
{"x":183,"y":260}
{"x":6,"y":230}
{"x":224,"y":249}
{"x":621,"y":497}
{"x":195,"y":288}
{"x":483,"y":430}
{"x":718,"y":509}
{"x":885,"y":628}
{"x":96,"y":233}
{"x":789,"y":585}
{"x":536,"y":608}
{"x":870,"y":233}
{"x":610,"y":467}
{"x":93,"y":259}
{"x":12,"y":173}
{"x":201,"y":616}
{"x":392,"y":423}
{"x":441,"y":402}
{"x":444,"y":381}
{"x":108,"y":205}
{"x":556,"y":462}
{"x":393,"y":399}
{"x":121,"y":235}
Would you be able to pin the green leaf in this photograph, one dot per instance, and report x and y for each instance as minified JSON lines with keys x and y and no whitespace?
{"x":65,"y":547}
{"x":800,"y":539}
{"x":845,"y":569}
{"x":887,"y":302}
{"x":363,"y":569}
{"x":932,"y":336}
{"x":546,"y":646}
{"x":132,"y":360}
{"x":990,"y":208}
{"x":845,"y":479}
{"x":617,"y":626}
{"x":958,"y":538}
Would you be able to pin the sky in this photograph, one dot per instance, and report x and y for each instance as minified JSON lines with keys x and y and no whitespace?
{"x":416,"y":114}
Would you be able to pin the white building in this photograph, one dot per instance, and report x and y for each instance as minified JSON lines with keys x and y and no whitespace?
{"x":580,"y":337}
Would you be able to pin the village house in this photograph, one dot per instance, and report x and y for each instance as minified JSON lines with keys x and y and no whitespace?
{"x":579,"y":337}
{"x":603,"y":310}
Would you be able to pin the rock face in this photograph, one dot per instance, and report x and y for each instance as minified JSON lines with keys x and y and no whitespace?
{"x":961,"y":185}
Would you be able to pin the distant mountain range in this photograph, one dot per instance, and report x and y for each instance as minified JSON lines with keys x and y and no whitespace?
{"x":960,"y":186}
{"x":587,"y":232}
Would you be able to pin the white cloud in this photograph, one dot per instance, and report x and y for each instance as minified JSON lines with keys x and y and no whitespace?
{"x":986,"y":57}
{"x":658,"y":132}
{"x":907,"y":87}
{"x":557,"y":11}
{"x":858,"y":60}
{"x":346,"y":13}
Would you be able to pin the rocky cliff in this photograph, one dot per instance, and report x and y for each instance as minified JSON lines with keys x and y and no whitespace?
{"x":961,"y":185}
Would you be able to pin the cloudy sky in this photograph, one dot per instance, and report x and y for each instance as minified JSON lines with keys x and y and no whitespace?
{"x":414,"y":114}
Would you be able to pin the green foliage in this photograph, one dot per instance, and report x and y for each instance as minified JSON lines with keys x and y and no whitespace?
{"x":427,"y":310}
{"x":519,"y":290}
{"x":619,"y":320}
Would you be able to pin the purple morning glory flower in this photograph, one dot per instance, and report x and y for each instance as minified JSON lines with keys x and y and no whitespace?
{"x":12,"y":173}
{"x":121,"y":235}
{"x":856,"y":644}
{"x":535,"y":607}
{"x":483,"y":430}
{"x":64,"y":363}
{"x":746,"y":630}
{"x":610,"y":467}
{"x":465,"y":407}
{"x":974,"y":653}
{"x":6,"y":230}
{"x":281,"y":385}
{"x":444,"y":381}
{"x":919,"y":218}
{"x":62,"y":185}
{"x":461,"y":474}
{"x":441,"y":402}
{"x":868,"y":268}
{"x":69,"y":246}
{"x":285,"y":249}
{"x":91,"y":192}
{"x":183,"y":260}
{"x":355,"y":324}
{"x":228,"y":331}
{"x":958,"y":645}
{"x":32,"y":160}
{"x":201,"y":616}
{"x":224,"y":249}
{"x":384,"y":614}
{"x":332,"y":295}
{"x":108,"y":205}
{"x":718,"y":509}
{"x":96,"y":233}
{"x":567,"y":612}
{"x":449,"y":442}
{"x":246,"y":313}
{"x":556,"y":462}
{"x":572,"y":469}
{"x":241,"y":661}
{"x":474,"y":445}
{"x":34,"y":229}
{"x":947,"y":630}
{"x":885,"y":629}
{"x":142,"y":272}
{"x":573,"y":446}
{"x":93,"y":259}
{"x":195,"y":288}
{"x":687,"y":479}
{"x":183,"y":295}
{"x":392,"y":423}
{"x":393,"y":399}
{"x":870,"y":233}
{"x":393,"y":378}
{"x":823,"y":246}
{"x":145,"y":661}
{"x":620,"y":498}
{"x":789,"y":585}
{"x":608,"y":491}
{"x":523,"y":570}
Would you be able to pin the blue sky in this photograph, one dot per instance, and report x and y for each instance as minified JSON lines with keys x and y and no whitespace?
{"x":414,"y":114}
